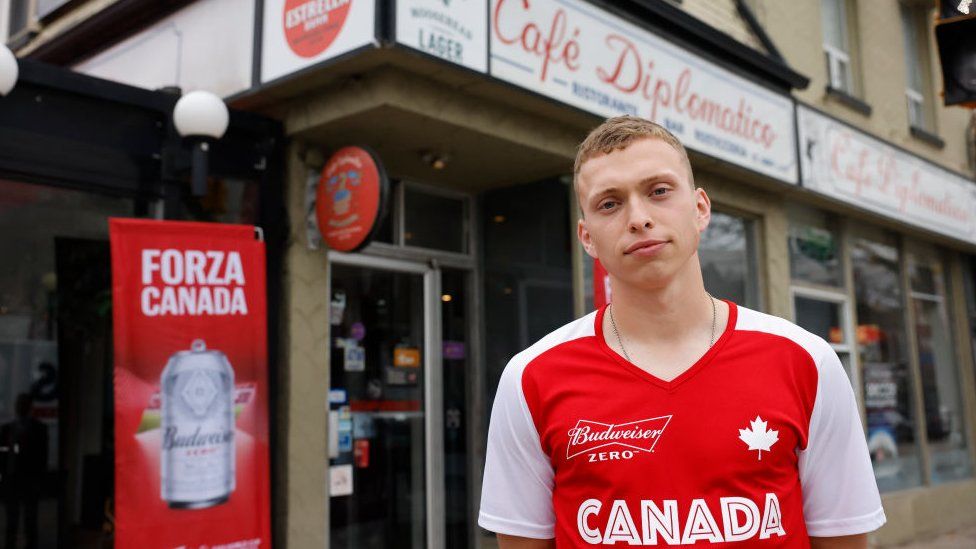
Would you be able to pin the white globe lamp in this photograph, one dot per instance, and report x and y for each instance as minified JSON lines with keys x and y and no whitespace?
{"x":9,"y":70}
{"x":200,"y":117}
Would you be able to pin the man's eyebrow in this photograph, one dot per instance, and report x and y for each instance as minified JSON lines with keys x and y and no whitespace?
{"x":603,"y":192}
{"x":663,"y":176}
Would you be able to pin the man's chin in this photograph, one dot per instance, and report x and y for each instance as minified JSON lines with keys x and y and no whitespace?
{"x":650,"y":277}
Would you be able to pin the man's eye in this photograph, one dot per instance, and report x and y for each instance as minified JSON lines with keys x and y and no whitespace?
{"x":660,"y":191}
{"x":607,"y":205}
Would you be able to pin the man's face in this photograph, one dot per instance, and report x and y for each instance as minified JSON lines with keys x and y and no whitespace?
{"x":642,"y":218}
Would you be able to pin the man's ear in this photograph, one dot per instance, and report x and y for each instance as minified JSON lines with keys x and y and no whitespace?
{"x":584,"y":238}
{"x":703,"y":206}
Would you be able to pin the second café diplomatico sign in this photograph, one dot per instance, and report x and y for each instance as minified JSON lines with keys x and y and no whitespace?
{"x":578,"y":54}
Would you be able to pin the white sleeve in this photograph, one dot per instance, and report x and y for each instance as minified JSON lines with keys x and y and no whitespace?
{"x":516,"y":496}
{"x":840,"y":495}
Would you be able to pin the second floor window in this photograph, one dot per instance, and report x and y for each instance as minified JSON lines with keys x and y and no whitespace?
{"x":837,"y":45}
{"x":917,"y":93}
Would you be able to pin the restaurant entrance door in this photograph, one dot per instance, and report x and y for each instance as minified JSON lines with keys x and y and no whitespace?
{"x":389,"y":430}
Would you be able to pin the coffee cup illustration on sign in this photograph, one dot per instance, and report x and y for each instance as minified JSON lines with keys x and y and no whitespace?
{"x":340,"y":185}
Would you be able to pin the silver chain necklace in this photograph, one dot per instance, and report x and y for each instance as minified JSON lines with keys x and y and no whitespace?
{"x":621,"y":342}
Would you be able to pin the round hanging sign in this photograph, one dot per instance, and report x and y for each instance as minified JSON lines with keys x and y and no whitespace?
{"x":312,"y":25}
{"x":351,"y":198}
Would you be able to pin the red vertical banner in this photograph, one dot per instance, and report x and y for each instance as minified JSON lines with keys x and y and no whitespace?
{"x":601,"y":285}
{"x":190,"y":385}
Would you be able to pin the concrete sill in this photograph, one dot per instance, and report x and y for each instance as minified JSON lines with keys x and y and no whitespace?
{"x":848,"y":100}
{"x":926,"y":137}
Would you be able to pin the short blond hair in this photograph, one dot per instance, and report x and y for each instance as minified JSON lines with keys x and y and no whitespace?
{"x":618,"y":133}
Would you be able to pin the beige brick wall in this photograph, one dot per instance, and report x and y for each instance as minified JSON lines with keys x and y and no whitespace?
{"x":795,"y":28}
{"x":723,"y":15}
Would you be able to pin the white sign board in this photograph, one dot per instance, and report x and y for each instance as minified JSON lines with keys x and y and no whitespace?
{"x":180,"y":50}
{"x":575,"y":53}
{"x":846,"y":164}
{"x":454,"y":30}
{"x":301,"y":33}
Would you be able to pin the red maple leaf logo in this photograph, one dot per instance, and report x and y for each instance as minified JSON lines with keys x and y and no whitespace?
{"x":757,"y":437}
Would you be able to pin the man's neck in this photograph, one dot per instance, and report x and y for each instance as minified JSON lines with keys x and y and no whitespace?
{"x":665,"y":330}
{"x":669,"y":313}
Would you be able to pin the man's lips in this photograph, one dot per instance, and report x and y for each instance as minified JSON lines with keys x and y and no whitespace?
{"x":645,"y":247}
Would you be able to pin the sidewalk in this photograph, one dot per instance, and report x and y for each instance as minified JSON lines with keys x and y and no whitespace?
{"x":960,"y":539}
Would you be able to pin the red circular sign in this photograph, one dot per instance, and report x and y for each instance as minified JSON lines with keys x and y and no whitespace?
{"x":350,"y":198}
{"x":312,"y":25}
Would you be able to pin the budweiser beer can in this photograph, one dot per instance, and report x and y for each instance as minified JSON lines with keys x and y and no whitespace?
{"x":197,"y":454}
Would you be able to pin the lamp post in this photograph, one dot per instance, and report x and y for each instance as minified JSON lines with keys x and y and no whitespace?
{"x":8,"y":70}
{"x":201,"y":118}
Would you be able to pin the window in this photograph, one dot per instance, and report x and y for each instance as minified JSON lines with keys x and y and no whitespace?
{"x":944,"y":414}
{"x":917,"y":92}
{"x":814,"y":252}
{"x":4,"y":16}
{"x":434,"y":220}
{"x":883,"y":348}
{"x":838,"y":45}
{"x":820,"y":301}
{"x":19,"y":17}
{"x":727,"y":254}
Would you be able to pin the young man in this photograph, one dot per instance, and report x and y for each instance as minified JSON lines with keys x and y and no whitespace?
{"x":669,"y":417}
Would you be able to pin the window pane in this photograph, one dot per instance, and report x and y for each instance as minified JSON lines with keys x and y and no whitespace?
{"x":55,"y":351}
{"x":726,"y":252}
{"x":913,"y":47}
{"x":822,"y":318}
{"x":434,"y":221}
{"x":835,"y":23}
{"x":814,"y":256}
{"x":19,"y":16}
{"x":45,"y":7}
{"x":888,"y":389}
{"x":944,"y":414}
{"x":377,"y":435}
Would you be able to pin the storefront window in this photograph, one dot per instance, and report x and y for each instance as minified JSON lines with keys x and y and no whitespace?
{"x":944,"y":414}
{"x":434,"y":220}
{"x":888,"y":385}
{"x":528,"y":272}
{"x":820,"y":300}
{"x":55,"y":360}
{"x":727,"y":254}
{"x":814,"y":256}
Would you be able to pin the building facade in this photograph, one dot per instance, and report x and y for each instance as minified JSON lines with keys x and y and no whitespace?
{"x":842,"y":191}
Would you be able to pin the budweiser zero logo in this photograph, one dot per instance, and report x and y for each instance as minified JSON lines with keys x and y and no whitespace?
{"x":641,"y":435}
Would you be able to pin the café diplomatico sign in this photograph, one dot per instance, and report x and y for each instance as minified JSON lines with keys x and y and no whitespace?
{"x":853,"y":167}
{"x":573,"y":52}
{"x":351,"y":199}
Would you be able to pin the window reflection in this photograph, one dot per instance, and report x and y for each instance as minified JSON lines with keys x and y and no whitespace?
{"x":813,"y":255}
{"x":944,"y":415}
{"x":726,"y":252}
{"x":884,"y":358}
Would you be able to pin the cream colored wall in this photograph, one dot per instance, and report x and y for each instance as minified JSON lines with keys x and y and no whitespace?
{"x":723,"y":15}
{"x":301,"y":513}
{"x":920,"y":514}
{"x":795,"y":28}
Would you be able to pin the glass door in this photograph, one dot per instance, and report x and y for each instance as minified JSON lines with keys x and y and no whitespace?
{"x":386,"y":444}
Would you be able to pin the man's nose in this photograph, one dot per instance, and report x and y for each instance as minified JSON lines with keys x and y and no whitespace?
{"x":640,"y":217}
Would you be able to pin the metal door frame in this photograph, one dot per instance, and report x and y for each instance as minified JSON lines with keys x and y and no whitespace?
{"x":433,"y":381}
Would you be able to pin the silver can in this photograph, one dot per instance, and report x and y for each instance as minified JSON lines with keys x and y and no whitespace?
{"x":197,"y":458}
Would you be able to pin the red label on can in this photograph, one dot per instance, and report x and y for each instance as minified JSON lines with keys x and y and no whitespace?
{"x":311,"y":26}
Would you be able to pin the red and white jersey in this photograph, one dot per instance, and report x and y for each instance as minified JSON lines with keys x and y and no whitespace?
{"x":758,"y":443}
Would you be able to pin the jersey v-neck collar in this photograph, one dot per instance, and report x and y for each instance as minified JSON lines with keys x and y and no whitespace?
{"x":684,"y":376}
